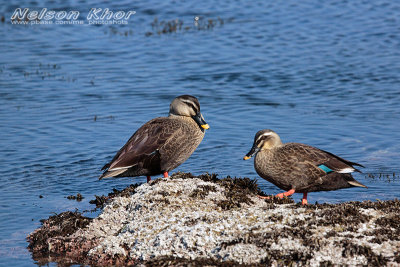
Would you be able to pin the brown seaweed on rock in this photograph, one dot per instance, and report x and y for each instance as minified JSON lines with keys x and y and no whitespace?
{"x":287,"y":234}
{"x":52,"y":239}
{"x":60,"y":240}
{"x":237,"y":190}
{"x":100,"y":201}
{"x":182,"y":262}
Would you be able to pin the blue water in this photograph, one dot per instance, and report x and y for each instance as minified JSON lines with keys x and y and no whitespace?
{"x":325,"y":74}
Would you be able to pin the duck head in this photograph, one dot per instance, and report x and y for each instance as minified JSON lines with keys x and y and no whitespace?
{"x":264,"y":139}
{"x":188,"y":106}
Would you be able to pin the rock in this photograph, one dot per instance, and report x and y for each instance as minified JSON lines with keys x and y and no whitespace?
{"x":186,"y":220}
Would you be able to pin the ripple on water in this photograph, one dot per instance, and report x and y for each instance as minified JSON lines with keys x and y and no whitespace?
{"x":325,"y":74}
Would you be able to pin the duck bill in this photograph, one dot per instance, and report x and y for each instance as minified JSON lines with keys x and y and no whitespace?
{"x":198,"y":118}
{"x":252,"y":152}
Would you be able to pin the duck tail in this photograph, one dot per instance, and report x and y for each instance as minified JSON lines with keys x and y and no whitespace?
{"x":111,"y":173}
{"x":355,"y":183}
{"x":352,"y":164}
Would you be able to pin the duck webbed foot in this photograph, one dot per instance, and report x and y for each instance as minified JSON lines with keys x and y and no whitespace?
{"x":304,"y":200}
{"x":286,"y":194}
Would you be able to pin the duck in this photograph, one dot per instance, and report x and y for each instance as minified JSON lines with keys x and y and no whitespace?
{"x":161,"y":144}
{"x":300,"y":168}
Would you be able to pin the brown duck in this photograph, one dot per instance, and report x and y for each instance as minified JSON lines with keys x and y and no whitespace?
{"x":162,"y":144}
{"x":299,"y":168}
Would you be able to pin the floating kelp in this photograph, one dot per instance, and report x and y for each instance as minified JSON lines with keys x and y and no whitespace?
{"x":177,"y":25}
{"x":384,"y":176}
{"x":78,"y":197}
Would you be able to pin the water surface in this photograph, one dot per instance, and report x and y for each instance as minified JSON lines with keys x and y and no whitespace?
{"x":325,"y":74}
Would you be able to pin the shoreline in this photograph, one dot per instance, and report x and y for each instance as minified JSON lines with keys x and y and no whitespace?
{"x":204,"y":220}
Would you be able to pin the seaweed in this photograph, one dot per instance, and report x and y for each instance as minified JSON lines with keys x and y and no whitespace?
{"x":100,"y":201}
{"x":78,"y":197}
{"x":61,"y":237}
{"x":59,"y":226}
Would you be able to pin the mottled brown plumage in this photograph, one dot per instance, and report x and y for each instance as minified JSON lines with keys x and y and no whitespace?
{"x":161,"y":144}
{"x":299,"y":167}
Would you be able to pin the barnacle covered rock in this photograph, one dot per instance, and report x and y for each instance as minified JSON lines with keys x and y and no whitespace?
{"x":187,"y":220}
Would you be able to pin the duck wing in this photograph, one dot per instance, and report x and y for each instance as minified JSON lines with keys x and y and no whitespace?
{"x":313,"y":167}
{"x":322,"y":159}
{"x":339,"y":164}
{"x":141,"y":148}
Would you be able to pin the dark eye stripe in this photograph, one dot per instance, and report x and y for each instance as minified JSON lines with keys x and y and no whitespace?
{"x":262,"y":138}
{"x":189,"y":103}
{"x":194,"y":108}
{"x":258,"y":142}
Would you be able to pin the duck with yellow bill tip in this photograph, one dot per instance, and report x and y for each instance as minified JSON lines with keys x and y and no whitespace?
{"x":162,"y":144}
{"x":299,"y":168}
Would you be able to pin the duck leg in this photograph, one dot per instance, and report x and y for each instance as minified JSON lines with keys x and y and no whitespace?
{"x":166,"y":175}
{"x":304,"y":200}
{"x":286,"y":194}
{"x":281,"y":195}
{"x":148,"y":178}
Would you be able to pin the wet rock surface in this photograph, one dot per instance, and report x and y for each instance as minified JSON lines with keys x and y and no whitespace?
{"x":203,"y":220}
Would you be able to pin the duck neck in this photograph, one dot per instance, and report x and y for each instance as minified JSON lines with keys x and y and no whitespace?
{"x":277,"y":142}
{"x":271,"y":144}
{"x":185,"y":118}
